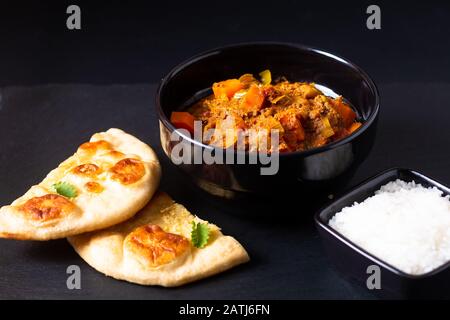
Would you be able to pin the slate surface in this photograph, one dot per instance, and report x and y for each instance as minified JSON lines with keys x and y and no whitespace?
{"x":42,"y":125}
{"x":123,"y":47}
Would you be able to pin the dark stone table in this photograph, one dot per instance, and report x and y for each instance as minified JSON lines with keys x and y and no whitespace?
{"x":59,"y":86}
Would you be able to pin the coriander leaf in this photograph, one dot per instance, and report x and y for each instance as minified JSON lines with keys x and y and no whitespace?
{"x":199,"y":234}
{"x":65,"y":189}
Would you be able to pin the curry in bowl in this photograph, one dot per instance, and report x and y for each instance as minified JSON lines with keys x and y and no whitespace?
{"x":303,"y":116}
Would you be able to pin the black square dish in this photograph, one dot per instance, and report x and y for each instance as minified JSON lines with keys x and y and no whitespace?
{"x":353,"y":261}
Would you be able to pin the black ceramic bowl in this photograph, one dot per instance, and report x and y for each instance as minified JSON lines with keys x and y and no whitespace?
{"x":323,"y":167}
{"x":353,"y":261}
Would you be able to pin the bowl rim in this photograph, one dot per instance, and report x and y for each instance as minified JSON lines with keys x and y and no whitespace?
{"x":217,"y":50}
{"x":320,"y":223}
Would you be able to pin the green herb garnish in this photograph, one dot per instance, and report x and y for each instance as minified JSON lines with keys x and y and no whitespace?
{"x":65,"y":189}
{"x":199,"y":234}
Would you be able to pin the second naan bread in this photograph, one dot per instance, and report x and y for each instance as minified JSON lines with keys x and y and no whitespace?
{"x":154,"y":247}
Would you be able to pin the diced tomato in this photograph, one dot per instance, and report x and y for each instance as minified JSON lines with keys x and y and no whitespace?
{"x":300,"y":132}
{"x":183,"y":120}
{"x":341,"y":134}
{"x":291,"y":123}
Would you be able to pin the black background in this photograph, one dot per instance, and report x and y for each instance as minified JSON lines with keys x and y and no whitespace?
{"x":60,"y":86}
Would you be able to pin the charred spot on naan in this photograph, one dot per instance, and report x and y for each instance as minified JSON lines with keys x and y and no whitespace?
{"x":47,"y":208}
{"x":127,"y":171}
{"x":154,"y":247}
{"x":93,"y":147}
{"x":87,"y":170}
{"x":93,"y":187}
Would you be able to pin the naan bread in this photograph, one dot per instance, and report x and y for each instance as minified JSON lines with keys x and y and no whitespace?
{"x":154,"y":247}
{"x":114,"y":174}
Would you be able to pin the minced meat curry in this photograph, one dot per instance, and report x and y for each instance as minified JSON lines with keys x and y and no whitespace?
{"x":304,"y":117}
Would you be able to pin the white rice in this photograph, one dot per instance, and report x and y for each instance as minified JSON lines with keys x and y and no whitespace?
{"x":403,"y":224}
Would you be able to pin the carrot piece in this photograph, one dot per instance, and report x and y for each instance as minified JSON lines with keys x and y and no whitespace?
{"x":354,"y":126}
{"x":227,"y":88}
{"x":183,"y":120}
{"x":253,"y":99}
{"x":347,"y":114}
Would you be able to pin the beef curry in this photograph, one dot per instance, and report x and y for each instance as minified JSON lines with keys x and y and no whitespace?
{"x":304,"y":116}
